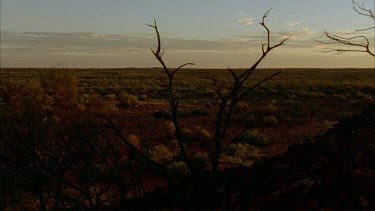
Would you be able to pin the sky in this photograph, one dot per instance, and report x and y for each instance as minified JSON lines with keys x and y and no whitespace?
{"x":210,"y":33}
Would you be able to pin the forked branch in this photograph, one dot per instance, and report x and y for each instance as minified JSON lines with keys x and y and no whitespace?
{"x":159,"y":52}
{"x":358,"y":43}
{"x":354,"y":41}
{"x":171,"y":96}
{"x":230,"y":100}
{"x":266,"y":47}
{"x":362,"y":10}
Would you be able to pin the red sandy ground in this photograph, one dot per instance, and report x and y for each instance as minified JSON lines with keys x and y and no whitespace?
{"x":281,"y":136}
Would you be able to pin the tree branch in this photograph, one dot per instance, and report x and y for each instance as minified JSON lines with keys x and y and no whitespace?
{"x":181,"y":66}
{"x":348,"y":41}
{"x":334,"y":39}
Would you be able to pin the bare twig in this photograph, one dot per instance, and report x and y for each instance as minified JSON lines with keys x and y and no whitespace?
{"x":171,"y":97}
{"x":364,"y":45}
{"x":360,"y":42}
{"x":230,"y":100}
{"x":361,"y":10}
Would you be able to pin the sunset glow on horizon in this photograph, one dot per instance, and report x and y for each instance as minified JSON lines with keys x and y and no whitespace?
{"x":211,"y":33}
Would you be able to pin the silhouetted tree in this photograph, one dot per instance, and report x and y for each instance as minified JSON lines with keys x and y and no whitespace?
{"x":171,"y":97}
{"x":354,"y":41}
{"x":228,"y":99}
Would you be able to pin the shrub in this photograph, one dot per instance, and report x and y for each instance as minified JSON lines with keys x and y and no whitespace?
{"x":143,"y":97}
{"x":200,"y":161}
{"x":128,"y":100}
{"x":165,"y":114}
{"x":187,"y":133}
{"x":242,"y":107}
{"x":327,"y":125}
{"x":160,"y":153}
{"x":200,"y":112}
{"x":177,"y":169}
{"x":267,"y":109}
{"x":95,"y":104}
{"x":203,"y":133}
{"x":255,"y":138}
{"x":111,"y":97}
{"x":240,"y":153}
{"x":108,"y":107}
{"x":270,"y":108}
{"x":270,"y":121}
{"x":168,"y":130}
{"x":162,"y":114}
{"x":134,"y":140}
{"x":174,"y":147}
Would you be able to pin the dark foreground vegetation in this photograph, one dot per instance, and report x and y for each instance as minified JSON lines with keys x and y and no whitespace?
{"x":173,"y":139}
{"x":103,"y":138}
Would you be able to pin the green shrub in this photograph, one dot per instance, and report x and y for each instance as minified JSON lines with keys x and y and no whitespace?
{"x":173,"y":146}
{"x":134,"y":140}
{"x":143,"y":97}
{"x":187,"y":133}
{"x":270,"y":121}
{"x":200,"y":112}
{"x":177,"y":169}
{"x":240,"y":153}
{"x":270,"y":108}
{"x":162,"y":114}
{"x":242,"y":107}
{"x":200,"y":161}
{"x":327,"y":125}
{"x":266,"y":109}
{"x":161,"y":154}
{"x":95,"y":104}
{"x":111,"y":97}
{"x":128,"y":100}
{"x":203,"y":134}
{"x":255,"y":138}
{"x":168,"y":130}
{"x":166,"y":114}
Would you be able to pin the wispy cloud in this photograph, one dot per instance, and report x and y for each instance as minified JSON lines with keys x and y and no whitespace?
{"x":307,"y":30}
{"x":84,"y":43}
{"x":293,"y":23}
{"x":246,"y":21}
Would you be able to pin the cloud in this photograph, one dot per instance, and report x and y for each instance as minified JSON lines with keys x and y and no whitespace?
{"x":82,"y":49}
{"x":84,"y":43}
{"x":246,"y":21}
{"x":307,"y":30}
{"x":293,"y":23}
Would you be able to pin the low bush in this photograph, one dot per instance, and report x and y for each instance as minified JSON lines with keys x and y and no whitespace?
{"x":128,"y":100}
{"x":177,"y":169}
{"x":186,"y":133}
{"x":203,"y":134}
{"x":271,"y":121}
{"x":168,"y":130}
{"x":255,"y":138}
{"x":326,"y":125}
{"x":242,"y":107}
{"x":200,"y":161}
{"x":134,"y":140}
{"x":165,"y":114}
{"x":161,"y":154}
{"x":199,"y":112}
{"x":162,"y":114}
{"x":240,"y":153}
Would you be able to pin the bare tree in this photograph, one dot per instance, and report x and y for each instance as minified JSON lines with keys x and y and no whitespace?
{"x":353,"y":40}
{"x":236,"y":92}
{"x":171,"y":95}
{"x":228,"y":102}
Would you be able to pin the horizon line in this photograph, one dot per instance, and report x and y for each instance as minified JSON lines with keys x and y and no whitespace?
{"x":189,"y":68}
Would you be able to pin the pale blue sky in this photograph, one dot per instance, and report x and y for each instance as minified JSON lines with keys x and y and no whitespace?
{"x":112,"y":33}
